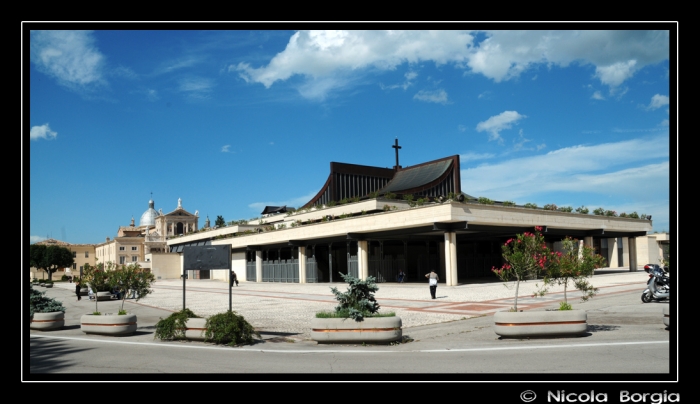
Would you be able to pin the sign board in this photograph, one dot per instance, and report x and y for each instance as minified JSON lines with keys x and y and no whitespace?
{"x":207,"y":257}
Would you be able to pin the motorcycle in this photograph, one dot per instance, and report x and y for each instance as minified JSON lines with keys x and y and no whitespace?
{"x":658,"y":285}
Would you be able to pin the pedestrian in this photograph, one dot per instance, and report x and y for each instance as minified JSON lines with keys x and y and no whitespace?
{"x":77,"y":290}
{"x":91,"y":295}
{"x":433,"y":279}
{"x":234,"y":277}
{"x":401,"y":276}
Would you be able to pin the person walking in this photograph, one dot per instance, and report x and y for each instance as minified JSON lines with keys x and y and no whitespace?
{"x":77,"y":290}
{"x":234,"y":278}
{"x":433,"y":279}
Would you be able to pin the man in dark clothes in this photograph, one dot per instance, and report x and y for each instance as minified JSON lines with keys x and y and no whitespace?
{"x":77,"y":290}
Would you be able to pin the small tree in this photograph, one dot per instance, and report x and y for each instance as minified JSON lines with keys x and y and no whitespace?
{"x":97,"y":278}
{"x":575,"y":264}
{"x":132,"y":277}
{"x":525,"y":256}
{"x":358,"y":301}
{"x":220,"y":222}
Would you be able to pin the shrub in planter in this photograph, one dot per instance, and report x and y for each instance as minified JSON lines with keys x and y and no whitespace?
{"x":357,"y":302}
{"x":131,"y":279}
{"x":40,"y":303}
{"x":173,"y":327}
{"x":230,"y":329}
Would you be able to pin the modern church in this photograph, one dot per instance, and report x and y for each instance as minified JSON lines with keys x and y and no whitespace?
{"x":376,"y":221}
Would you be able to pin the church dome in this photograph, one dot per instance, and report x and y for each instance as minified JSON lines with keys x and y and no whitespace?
{"x":149,"y":216}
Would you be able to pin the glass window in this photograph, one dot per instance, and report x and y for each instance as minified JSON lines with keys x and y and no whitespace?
{"x":74,"y":254}
{"x":87,"y":254}
{"x":74,"y":265}
{"x":122,"y":259}
{"x":134,"y":258}
{"x":121,"y":248}
{"x":134,"y":248}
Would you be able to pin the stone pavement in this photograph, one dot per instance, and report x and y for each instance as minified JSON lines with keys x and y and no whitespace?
{"x":284,"y":310}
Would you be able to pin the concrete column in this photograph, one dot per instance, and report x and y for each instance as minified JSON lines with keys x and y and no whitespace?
{"x":442,"y":258}
{"x":450,"y":259}
{"x":362,"y":259}
{"x":301,"y":256}
{"x":632,"y":242}
{"x":258,"y":266}
{"x":625,"y":252}
{"x":612,"y":252}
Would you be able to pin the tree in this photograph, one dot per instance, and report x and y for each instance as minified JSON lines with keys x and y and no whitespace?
{"x":49,"y":258}
{"x":220,"y":222}
{"x":525,"y":256}
{"x":132,"y":277}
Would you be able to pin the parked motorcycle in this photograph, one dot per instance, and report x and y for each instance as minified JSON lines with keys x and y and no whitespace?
{"x":658,"y":285}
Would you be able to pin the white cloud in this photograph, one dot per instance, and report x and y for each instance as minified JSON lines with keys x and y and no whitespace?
{"x":436,"y":96}
{"x":225,"y":148}
{"x":461,"y":128}
{"x":69,"y":56}
{"x":597,"y":96}
{"x":621,"y":168}
{"x":658,"y":101}
{"x":616,"y":73}
{"x":36,"y":239}
{"x":410,"y":76}
{"x":495,"y":124}
{"x":196,"y":87}
{"x":502,"y":55}
{"x":463,"y":158}
{"x":42,"y":132}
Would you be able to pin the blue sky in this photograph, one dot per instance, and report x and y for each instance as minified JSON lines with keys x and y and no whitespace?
{"x":232,"y":121}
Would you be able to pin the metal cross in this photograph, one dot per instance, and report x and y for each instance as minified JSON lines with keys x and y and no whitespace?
{"x":396,"y":147}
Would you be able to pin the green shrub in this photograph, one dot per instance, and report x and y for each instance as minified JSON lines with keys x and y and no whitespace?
{"x":550,"y":206}
{"x":564,"y":306}
{"x":346,"y":314}
{"x":390,"y":195}
{"x":568,"y":209}
{"x":599,"y":212}
{"x":531,"y":205}
{"x":173,"y":327}
{"x":633,"y":215}
{"x":64,"y":277}
{"x":582,"y":210}
{"x":230,"y":329}
{"x":40,"y":303}
{"x":485,"y":201}
{"x":358,"y":301}
{"x":508,"y":203}
{"x":421,"y":201}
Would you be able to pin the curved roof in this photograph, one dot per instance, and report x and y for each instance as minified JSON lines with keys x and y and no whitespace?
{"x":413,"y":177}
{"x":148,"y":218}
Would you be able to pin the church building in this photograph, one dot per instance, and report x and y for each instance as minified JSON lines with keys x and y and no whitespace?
{"x":374,"y":221}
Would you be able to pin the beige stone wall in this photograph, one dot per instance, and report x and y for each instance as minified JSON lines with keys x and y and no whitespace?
{"x":165,"y":265}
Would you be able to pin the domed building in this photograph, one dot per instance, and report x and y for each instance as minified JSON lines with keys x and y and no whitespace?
{"x":134,"y":244}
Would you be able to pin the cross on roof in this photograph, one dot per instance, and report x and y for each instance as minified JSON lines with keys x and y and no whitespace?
{"x":396,"y":147}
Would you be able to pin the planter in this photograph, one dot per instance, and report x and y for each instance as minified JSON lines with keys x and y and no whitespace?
{"x":108,"y":324}
{"x":374,"y":330}
{"x":559,"y":323}
{"x":48,"y":285}
{"x":667,"y":318}
{"x":47,"y":321}
{"x":83,"y":291}
{"x":195,"y":328}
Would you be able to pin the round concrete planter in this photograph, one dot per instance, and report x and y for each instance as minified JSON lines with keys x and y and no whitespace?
{"x":108,"y":324}
{"x":48,"y":321}
{"x":667,"y":318}
{"x":48,"y":285}
{"x":83,"y":291}
{"x":374,"y":330}
{"x":558,"y":323}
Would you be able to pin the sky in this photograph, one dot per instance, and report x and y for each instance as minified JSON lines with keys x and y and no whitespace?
{"x":230,"y":121}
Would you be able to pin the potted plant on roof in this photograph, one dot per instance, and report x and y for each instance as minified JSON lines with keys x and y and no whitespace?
{"x":45,"y":313}
{"x":356,"y":318}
